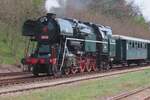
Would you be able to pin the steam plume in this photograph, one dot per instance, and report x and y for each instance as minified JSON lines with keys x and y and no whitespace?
{"x":50,"y":4}
{"x":60,"y":6}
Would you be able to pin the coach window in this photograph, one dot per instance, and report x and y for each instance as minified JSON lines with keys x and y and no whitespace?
{"x":145,"y":45}
{"x":130,"y":44}
{"x":133,"y":45}
{"x":138,"y":45}
{"x":141,"y":44}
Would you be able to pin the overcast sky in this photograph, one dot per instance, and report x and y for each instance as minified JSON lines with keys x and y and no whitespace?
{"x":144,"y":6}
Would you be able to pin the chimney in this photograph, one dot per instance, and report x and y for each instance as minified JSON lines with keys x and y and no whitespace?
{"x":51,"y":15}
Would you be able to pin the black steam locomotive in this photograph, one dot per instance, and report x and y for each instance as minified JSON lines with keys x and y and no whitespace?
{"x":69,"y":46}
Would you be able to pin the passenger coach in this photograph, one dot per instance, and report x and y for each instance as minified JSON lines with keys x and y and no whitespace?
{"x":130,"y":50}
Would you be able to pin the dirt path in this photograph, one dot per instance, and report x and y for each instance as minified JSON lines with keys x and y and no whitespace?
{"x":5,"y":68}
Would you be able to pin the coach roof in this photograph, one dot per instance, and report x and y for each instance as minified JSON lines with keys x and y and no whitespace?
{"x":130,"y":38}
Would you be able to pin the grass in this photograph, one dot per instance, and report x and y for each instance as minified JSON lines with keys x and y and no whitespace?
{"x":90,"y":90}
{"x":6,"y":47}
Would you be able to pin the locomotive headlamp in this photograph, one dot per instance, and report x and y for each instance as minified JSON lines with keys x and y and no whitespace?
{"x":44,"y":37}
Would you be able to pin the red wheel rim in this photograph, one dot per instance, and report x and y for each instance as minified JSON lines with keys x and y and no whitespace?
{"x":88,"y":67}
{"x":74,"y":70}
{"x":94,"y":66}
{"x":82,"y":67}
{"x":67,"y":71}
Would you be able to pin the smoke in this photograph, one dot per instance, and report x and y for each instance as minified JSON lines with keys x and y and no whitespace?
{"x":143,"y":6}
{"x":51,"y":4}
{"x":60,"y":7}
{"x":79,"y":4}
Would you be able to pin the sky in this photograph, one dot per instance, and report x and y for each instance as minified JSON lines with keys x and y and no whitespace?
{"x":144,"y":6}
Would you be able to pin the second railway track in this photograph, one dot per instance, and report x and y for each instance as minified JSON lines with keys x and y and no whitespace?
{"x":138,"y":94}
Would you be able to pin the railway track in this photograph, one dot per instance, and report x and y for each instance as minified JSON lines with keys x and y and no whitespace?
{"x":13,"y":74}
{"x":29,"y":78}
{"x":21,"y":80}
{"x":43,"y":82}
{"x":138,"y":94}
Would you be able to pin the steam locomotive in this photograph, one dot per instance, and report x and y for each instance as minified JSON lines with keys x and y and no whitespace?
{"x":65,"y":46}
